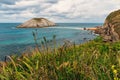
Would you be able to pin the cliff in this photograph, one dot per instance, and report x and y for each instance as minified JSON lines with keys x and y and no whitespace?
{"x":110,"y":31}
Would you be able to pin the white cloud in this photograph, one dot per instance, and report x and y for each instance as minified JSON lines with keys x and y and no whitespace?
{"x":24,"y":3}
{"x":84,"y":8}
{"x":62,"y":10}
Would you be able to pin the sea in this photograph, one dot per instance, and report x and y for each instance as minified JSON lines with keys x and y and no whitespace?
{"x":17,"y":40}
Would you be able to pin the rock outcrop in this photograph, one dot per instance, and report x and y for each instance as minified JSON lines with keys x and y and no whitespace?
{"x":36,"y":23}
{"x":110,"y":31}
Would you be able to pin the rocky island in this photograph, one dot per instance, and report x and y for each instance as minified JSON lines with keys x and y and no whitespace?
{"x":37,"y":23}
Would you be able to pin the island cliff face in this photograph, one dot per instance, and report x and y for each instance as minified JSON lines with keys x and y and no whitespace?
{"x":110,"y":31}
{"x":37,"y":23}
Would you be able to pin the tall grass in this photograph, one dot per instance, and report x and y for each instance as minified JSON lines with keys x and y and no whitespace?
{"x":93,"y":60}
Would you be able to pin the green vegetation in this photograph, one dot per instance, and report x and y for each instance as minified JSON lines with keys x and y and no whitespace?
{"x":114,"y":16}
{"x":38,"y":19}
{"x":93,"y":60}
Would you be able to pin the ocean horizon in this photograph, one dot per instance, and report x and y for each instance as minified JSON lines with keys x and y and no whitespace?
{"x":16,"y":40}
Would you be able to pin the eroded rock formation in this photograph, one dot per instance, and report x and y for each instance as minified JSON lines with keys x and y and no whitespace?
{"x":36,"y":23}
{"x":110,"y":31}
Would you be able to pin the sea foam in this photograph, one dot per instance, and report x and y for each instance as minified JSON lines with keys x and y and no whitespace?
{"x":76,"y":28}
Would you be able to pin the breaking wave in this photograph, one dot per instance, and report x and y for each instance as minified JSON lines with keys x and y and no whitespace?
{"x":76,"y":28}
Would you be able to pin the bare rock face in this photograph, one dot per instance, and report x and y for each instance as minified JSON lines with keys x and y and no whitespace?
{"x":36,"y":23}
{"x":110,"y":31}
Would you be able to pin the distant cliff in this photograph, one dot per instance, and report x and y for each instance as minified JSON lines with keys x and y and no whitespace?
{"x":36,"y":23}
{"x":110,"y":31}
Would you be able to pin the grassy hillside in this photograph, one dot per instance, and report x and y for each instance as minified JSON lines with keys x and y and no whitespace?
{"x":92,"y":60}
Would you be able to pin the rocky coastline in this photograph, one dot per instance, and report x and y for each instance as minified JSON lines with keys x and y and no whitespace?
{"x":110,"y":31}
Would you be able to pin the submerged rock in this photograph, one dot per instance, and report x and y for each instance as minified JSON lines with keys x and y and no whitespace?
{"x":110,"y":31}
{"x":36,"y":23}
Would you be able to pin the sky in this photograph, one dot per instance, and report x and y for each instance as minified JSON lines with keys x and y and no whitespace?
{"x":63,"y":11}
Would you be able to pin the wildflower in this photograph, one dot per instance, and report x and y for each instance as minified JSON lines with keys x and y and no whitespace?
{"x":115,"y":71}
{"x":116,"y":78}
{"x":113,"y":66}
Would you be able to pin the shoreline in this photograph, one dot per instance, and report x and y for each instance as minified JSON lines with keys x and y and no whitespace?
{"x":92,"y":29}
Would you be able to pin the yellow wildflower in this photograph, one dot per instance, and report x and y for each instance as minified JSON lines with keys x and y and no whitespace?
{"x":116,"y":78}
{"x":113,"y":66}
{"x":115,"y":71}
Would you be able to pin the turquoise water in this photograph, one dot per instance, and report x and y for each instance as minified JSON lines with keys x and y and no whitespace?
{"x":15,"y":40}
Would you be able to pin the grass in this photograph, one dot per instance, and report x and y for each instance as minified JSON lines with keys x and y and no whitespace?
{"x":93,"y":60}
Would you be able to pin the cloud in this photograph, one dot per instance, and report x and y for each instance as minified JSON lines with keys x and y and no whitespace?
{"x":83,"y":8}
{"x":9,"y":2}
{"x":58,"y":10}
